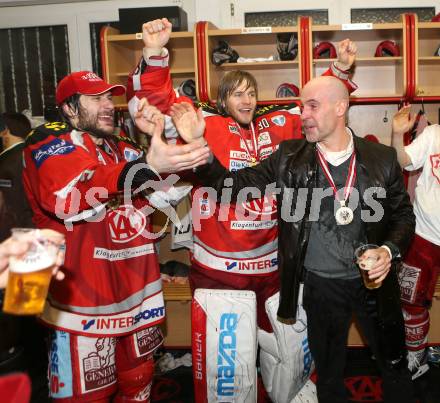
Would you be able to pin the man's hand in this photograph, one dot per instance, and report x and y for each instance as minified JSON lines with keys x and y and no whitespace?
{"x":346,"y":54}
{"x":170,"y":158}
{"x":189,"y":123}
{"x":147,"y":117}
{"x":382,"y":266}
{"x":14,"y":248}
{"x":156,"y":34}
{"x":403,"y":121}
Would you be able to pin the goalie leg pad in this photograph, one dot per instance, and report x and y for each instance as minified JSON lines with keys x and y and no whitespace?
{"x":285,"y":358}
{"x":224,"y":346}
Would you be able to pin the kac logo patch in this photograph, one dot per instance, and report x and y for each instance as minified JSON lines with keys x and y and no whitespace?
{"x":126,"y":223}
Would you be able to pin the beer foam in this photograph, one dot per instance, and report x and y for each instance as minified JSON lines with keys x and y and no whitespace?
{"x":36,"y":259}
{"x":368,"y":263}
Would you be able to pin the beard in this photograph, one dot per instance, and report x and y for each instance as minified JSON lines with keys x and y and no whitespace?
{"x":90,"y":124}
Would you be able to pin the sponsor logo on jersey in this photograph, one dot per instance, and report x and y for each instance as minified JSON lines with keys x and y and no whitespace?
{"x":227,"y":354}
{"x":60,"y":378}
{"x":125,"y":223}
{"x":408,"y":278}
{"x":204,"y":207}
{"x":122,"y":254}
{"x":98,"y":366}
{"x":243,"y":144}
{"x":265,"y":152}
{"x":51,"y":149}
{"x":239,"y":155}
{"x":246,"y":265}
{"x":233,"y":129}
{"x":264,"y":206}
{"x":435,"y":163}
{"x":121,"y":322}
{"x":264,"y":139}
{"x":130,"y":154}
{"x":279,"y":120}
{"x":148,"y":340}
{"x":236,"y":165}
{"x":253,"y":225}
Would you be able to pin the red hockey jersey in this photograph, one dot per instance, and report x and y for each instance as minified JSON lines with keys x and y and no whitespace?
{"x":112,"y":284}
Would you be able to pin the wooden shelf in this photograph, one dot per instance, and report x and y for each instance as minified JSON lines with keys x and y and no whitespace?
{"x":138,"y":36}
{"x":183,"y":70}
{"x":365,"y":60}
{"x":435,"y":59}
{"x":278,"y":64}
{"x":176,"y":292}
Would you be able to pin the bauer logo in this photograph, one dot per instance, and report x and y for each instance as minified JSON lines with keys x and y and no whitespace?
{"x":227,"y":350}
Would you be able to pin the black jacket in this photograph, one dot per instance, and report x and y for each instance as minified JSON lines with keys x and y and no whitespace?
{"x":294,"y":166}
{"x":14,"y":207}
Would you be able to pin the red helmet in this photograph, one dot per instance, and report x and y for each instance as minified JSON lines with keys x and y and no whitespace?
{"x":387,"y":48}
{"x":324,"y":50}
{"x":287,"y":90}
{"x":436,"y":18}
{"x":372,"y":138}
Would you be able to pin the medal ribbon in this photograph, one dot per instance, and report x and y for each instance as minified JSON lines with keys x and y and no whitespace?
{"x":254,"y":157}
{"x":351,"y":177}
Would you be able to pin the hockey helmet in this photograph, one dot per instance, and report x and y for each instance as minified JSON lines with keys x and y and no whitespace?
{"x":287,"y":46}
{"x":387,"y":48}
{"x":324,"y":50}
{"x":223,"y":53}
{"x":287,"y":90}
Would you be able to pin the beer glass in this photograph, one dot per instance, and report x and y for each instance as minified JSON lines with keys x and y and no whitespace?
{"x":30,"y":274}
{"x":365,"y":264}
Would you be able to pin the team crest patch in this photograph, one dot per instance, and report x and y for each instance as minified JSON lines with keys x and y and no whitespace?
{"x":126,"y":223}
{"x":279,"y":120}
{"x":435,"y":166}
{"x":130,"y":154}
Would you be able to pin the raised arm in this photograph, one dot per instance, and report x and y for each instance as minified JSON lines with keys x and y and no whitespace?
{"x":402,"y":122}
{"x":155,"y":35}
{"x":342,"y":67}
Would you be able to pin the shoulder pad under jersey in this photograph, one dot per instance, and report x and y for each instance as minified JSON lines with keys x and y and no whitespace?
{"x":263,"y":110}
{"x":127,"y":140}
{"x":207,"y":108}
{"x":42,"y":132}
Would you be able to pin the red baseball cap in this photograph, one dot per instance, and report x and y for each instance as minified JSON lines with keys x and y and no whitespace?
{"x":84,"y":83}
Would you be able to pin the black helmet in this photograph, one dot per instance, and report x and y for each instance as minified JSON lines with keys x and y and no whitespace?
{"x":287,"y":46}
{"x":223,"y":53}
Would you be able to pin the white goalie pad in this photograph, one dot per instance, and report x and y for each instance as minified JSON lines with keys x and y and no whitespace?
{"x":285,"y":359}
{"x":224,"y":346}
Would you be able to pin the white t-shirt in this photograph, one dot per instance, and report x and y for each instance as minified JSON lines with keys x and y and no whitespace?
{"x":424,"y":152}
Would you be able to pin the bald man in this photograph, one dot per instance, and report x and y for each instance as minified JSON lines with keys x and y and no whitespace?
{"x":335,"y":191}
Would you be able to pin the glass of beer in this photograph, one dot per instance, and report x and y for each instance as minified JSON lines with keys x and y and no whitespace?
{"x":366,"y":263}
{"x":30,"y":274}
